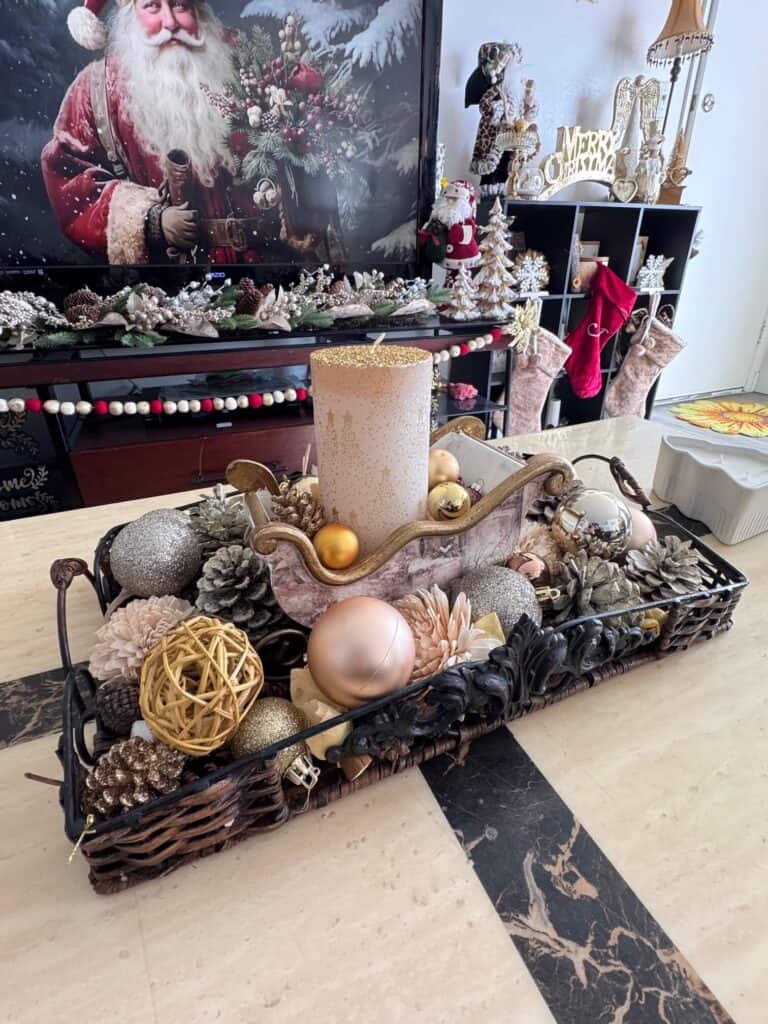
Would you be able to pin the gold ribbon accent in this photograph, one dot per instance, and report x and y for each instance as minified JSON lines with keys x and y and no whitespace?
{"x":88,"y":830}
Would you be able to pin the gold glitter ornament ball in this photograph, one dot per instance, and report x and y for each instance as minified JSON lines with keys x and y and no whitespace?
{"x":157,"y":554}
{"x":443,"y":467}
{"x":494,"y":588}
{"x":337,"y":546}
{"x":270,"y":720}
{"x":448,"y":501}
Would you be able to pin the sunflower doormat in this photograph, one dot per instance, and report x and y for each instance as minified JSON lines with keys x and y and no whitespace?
{"x":726,"y":416}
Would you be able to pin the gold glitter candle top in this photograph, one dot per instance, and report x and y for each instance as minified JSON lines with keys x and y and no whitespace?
{"x":361,"y":356}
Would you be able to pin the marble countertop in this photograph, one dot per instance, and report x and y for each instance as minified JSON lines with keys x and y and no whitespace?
{"x":606,"y":854}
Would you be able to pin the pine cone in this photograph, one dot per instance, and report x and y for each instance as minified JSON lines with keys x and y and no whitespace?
{"x":269,"y":122}
{"x":117,"y":705}
{"x":131,"y":773}
{"x":665,"y":568}
{"x":235,"y":587}
{"x":218,"y":521}
{"x":130,"y":632}
{"x":444,"y":636}
{"x":542,"y":510}
{"x":299,"y":509}
{"x":82,"y":306}
{"x":250,"y":297}
{"x":589,"y":585}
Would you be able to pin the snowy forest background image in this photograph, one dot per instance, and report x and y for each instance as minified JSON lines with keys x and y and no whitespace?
{"x":377,"y":44}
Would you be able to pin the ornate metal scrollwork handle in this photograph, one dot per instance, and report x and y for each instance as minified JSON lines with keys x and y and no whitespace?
{"x":63,"y":573}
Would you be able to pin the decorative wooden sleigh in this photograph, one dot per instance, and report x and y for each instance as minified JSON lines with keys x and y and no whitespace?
{"x":416,"y":555}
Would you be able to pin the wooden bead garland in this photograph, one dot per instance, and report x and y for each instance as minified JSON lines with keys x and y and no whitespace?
{"x":218,"y":404}
{"x":198,"y":683}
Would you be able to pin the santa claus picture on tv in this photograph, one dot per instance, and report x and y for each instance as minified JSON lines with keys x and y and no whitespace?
{"x":152,"y":132}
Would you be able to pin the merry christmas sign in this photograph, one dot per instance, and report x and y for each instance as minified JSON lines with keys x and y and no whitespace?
{"x":580,"y":156}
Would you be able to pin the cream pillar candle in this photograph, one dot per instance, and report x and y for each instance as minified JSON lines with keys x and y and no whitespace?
{"x":372,"y":410}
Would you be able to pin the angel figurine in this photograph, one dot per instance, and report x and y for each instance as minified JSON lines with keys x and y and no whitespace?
{"x":649,"y":172}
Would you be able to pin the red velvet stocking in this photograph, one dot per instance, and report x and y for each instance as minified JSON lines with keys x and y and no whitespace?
{"x":610,"y":304}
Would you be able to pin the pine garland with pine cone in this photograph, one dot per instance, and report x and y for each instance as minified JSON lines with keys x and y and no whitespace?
{"x":130,"y":774}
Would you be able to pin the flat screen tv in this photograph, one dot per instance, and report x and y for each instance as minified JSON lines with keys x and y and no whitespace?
{"x":267,"y":134}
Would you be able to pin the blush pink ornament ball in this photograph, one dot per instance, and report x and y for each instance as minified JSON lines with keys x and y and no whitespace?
{"x":643,"y":529}
{"x":360,"y":649}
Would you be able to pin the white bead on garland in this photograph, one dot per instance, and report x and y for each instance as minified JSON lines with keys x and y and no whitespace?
{"x":464,"y":348}
{"x":230,"y":403}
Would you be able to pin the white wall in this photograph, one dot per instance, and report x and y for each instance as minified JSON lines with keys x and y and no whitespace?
{"x":577,"y":51}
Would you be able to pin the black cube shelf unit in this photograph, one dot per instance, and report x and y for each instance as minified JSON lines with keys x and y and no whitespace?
{"x":552,"y":227}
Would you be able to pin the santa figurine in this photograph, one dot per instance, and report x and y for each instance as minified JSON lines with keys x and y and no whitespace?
{"x":503,"y":96}
{"x":142,"y":166}
{"x":449,"y":237}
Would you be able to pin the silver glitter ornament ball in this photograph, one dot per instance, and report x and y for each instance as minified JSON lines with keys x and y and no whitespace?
{"x":597,"y":522}
{"x":494,"y":588}
{"x":157,"y":554}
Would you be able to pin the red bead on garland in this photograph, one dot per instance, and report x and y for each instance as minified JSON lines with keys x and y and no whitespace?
{"x":301,"y":394}
{"x":206,"y":404}
{"x":255,"y":401}
{"x":33,"y":404}
{"x":156,"y":406}
{"x":100,"y":408}
{"x":495,"y":333}
{"x":464,"y":348}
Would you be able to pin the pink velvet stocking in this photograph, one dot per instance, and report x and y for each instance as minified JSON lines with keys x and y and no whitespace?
{"x":532,"y":378}
{"x":653,"y":346}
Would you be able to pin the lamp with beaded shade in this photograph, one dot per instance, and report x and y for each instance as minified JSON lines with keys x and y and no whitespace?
{"x":684,"y":36}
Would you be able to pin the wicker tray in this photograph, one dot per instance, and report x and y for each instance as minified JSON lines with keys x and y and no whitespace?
{"x":221,"y":803}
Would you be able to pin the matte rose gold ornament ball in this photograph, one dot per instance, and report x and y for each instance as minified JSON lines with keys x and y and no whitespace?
{"x":443,"y":467}
{"x":642,"y":531}
{"x":359,"y":649}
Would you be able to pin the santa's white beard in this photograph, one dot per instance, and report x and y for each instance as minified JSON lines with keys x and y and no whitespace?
{"x":452,"y":211}
{"x":164,"y":95}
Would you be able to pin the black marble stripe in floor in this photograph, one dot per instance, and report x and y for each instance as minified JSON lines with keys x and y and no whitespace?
{"x":595,"y":952}
{"x":30,"y":707}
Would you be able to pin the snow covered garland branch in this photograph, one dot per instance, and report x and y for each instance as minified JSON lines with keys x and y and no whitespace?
{"x":192,"y":406}
{"x":143,"y":316}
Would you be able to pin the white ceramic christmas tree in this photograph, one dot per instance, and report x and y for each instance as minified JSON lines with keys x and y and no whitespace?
{"x":493,"y":280}
{"x":462,"y":305}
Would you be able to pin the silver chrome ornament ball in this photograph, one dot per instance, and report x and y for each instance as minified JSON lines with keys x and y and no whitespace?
{"x":597,"y":522}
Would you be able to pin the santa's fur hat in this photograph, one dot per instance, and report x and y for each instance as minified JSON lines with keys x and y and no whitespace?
{"x":461,"y":189}
{"x":85,"y":25}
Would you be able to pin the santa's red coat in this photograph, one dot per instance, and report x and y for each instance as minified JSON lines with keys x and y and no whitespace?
{"x":462,"y":248}
{"x":106,"y":215}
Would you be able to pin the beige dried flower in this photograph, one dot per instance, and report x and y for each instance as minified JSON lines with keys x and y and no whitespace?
{"x":126,"y":637}
{"x":444,"y":636}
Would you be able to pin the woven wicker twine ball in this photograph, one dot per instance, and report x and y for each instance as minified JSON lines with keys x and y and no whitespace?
{"x":198,"y":683}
